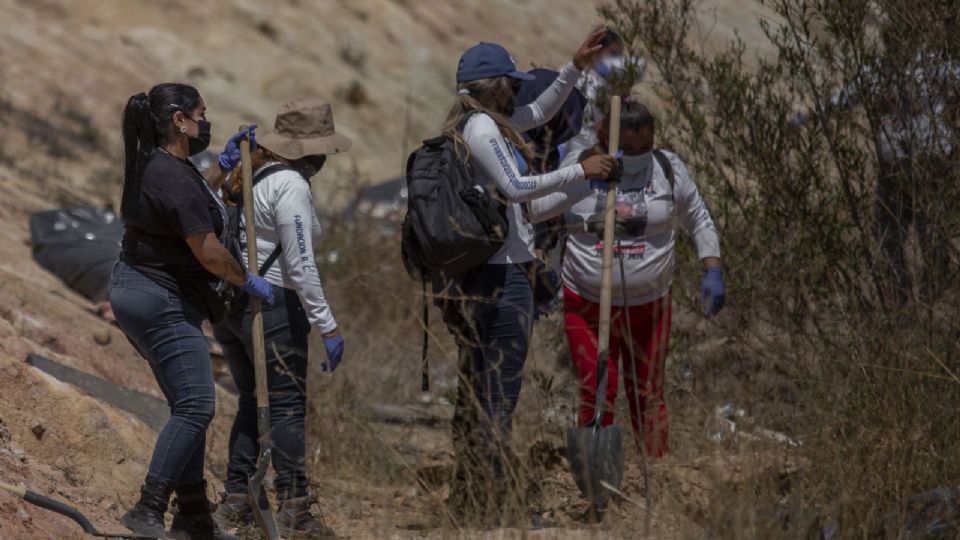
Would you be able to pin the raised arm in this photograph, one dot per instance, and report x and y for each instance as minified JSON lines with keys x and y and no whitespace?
{"x":229,"y":158}
{"x":551,"y":100}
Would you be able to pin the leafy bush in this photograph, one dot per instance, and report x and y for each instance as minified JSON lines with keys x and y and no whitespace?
{"x":869,"y":357}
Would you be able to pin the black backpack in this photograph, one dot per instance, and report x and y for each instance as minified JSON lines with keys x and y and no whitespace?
{"x":452,"y":225}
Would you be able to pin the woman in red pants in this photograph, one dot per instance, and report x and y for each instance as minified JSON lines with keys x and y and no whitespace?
{"x":655,"y":192}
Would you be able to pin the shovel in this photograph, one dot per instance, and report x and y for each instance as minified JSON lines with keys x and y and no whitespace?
{"x":258,"y":500}
{"x":56,"y":506}
{"x":595,"y":453}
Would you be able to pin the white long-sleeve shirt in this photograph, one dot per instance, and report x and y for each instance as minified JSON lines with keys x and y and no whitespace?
{"x":494,"y":164}
{"x":283,"y":212}
{"x":648,"y":208}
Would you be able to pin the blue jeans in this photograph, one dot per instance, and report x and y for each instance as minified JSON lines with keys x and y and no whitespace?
{"x":285,"y":329}
{"x":166,"y":331}
{"x":494,"y":334}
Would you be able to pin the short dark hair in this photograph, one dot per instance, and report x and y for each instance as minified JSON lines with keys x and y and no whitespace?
{"x":634,"y":116}
{"x":611,"y":37}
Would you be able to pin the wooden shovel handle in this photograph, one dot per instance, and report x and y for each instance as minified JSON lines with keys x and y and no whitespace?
{"x":259,"y":349}
{"x":13,"y":490}
{"x":606,"y":270}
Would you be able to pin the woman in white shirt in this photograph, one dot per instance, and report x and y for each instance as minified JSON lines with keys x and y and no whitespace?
{"x":496,"y":308}
{"x":287,"y":227}
{"x":648,"y":205}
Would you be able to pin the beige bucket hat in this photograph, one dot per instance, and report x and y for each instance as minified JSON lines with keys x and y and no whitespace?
{"x":304,"y":127}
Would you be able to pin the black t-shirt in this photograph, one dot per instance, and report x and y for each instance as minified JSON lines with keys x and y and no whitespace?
{"x":174,"y":203}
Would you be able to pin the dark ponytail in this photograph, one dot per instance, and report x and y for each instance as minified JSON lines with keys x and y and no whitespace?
{"x":138,"y":145}
{"x":146,"y":123}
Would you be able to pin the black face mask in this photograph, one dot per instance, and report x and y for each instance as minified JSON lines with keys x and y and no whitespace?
{"x":202,"y":140}
{"x":309,"y":166}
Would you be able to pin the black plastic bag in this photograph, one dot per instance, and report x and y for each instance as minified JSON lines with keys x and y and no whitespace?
{"x":79,"y":246}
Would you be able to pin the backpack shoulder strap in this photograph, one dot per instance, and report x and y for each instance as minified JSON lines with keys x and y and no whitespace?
{"x":424,"y":360}
{"x":272,"y":258}
{"x":263,"y":173}
{"x":267,"y":171}
{"x":667,"y":169}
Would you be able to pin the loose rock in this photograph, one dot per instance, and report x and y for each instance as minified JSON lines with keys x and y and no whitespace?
{"x":102,"y":336}
{"x":38,"y":429}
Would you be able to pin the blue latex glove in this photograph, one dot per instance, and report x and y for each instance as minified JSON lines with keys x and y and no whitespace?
{"x":616,"y":175}
{"x":259,"y":287}
{"x":712,"y":291}
{"x":334,"y":346}
{"x":230,"y":157}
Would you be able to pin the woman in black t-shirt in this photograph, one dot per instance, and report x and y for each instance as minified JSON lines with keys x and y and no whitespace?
{"x":163,"y":287}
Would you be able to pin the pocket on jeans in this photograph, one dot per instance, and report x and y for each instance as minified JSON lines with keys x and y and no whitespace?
{"x":138,"y":291}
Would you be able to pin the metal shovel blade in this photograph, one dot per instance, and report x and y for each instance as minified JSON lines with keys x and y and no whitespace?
{"x":596,"y":459}
{"x":259,"y":502}
{"x":595,"y":453}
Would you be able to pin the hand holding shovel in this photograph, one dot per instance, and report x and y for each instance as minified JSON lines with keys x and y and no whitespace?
{"x":596,"y":453}
{"x":258,"y":500}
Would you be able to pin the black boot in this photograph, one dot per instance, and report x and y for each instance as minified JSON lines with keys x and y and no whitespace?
{"x":295,"y":522}
{"x":193,"y":519}
{"x":146,"y":517}
{"x":234,"y":511}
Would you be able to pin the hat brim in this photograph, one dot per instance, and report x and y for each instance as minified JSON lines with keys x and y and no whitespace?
{"x":521,"y":75}
{"x":292,"y":149}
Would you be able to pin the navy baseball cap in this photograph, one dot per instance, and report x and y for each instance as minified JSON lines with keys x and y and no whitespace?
{"x":485,"y":60}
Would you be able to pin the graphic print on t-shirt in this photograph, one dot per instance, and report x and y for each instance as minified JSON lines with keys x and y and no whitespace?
{"x":631,"y":208}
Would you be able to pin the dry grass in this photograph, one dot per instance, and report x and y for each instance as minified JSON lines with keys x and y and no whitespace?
{"x":867,"y":386}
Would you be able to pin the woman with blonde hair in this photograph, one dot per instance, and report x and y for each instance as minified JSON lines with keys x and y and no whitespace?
{"x":492,"y":317}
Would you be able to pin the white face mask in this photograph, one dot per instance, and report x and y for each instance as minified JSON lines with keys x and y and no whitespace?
{"x":637,"y":164}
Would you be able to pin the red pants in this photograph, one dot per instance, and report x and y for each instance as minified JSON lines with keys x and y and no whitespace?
{"x":643,"y":363}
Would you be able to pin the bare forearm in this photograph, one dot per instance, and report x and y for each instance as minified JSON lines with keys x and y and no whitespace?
{"x":231,"y":270}
{"x":215,"y":176}
{"x":712,"y":262}
{"x":215,"y":258}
